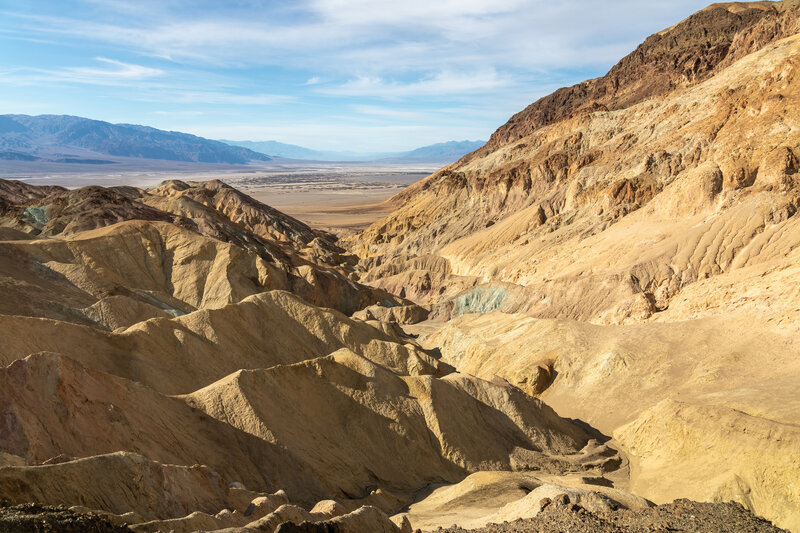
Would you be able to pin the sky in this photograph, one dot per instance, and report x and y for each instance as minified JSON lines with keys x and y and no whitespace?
{"x":359,"y":75}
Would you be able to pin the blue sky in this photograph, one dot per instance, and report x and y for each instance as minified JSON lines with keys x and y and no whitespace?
{"x":327,"y":74}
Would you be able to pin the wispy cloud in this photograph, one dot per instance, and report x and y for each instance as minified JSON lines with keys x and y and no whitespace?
{"x":370,"y":12}
{"x":439,"y":84}
{"x":375,"y":36}
{"x":117,"y":73}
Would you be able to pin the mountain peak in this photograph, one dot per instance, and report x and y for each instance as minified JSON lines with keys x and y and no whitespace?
{"x":681,"y":55}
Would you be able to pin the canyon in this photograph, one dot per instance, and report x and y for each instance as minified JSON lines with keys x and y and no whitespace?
{"x":591,"y":316}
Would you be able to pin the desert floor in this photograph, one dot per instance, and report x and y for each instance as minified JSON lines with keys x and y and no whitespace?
{"x":338,"y":197}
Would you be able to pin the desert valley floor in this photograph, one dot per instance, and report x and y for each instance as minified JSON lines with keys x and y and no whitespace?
{"x":339,"y":197}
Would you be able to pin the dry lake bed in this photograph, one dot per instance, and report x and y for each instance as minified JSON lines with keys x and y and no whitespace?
{"x":338,"y":197}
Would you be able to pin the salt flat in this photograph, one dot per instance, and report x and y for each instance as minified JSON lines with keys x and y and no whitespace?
{"x":338,"y":197}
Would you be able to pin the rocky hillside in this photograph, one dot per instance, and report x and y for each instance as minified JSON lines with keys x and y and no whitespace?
{"x":609,"y":207}
{"x":180,"y":358}
{"x":68,"y":139}
{"x":635,"y":232}
{"x":114,"y":257}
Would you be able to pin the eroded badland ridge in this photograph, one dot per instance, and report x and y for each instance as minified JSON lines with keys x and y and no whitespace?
{"x":644,"y":225}
{"x":618,"y":261}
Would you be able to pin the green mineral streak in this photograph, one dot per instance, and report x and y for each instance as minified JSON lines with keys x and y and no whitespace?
{"x":35,"y":215}
{"x":479,"y":300}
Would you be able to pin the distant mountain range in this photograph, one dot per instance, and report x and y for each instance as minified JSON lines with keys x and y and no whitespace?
{"x":445,"y":152}
{"x":292,"y":151}
{"x":68,"y":139}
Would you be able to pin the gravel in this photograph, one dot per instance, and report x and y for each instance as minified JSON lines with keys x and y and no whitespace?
{"x":561,"y":516}
{"x":35,"y":518}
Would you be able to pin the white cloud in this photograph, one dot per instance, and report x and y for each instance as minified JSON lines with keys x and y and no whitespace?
{"x":378,"y":37}
{"x":387,"y":12}
{"x":119,"y":73}
{"x":440,"y":84}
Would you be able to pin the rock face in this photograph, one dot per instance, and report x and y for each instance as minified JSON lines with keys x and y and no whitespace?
{"x":683,"y":55}
{"x":626,"y":250}
{"x":608,"y":214}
